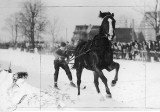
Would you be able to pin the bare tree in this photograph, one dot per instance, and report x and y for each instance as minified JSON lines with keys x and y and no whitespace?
{"x":54,"y":28}
{"x":32,"y":20}
{"x":152,"y":18}
{"x":12,"y":27}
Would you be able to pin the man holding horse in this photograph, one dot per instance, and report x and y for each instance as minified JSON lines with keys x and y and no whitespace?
{"x":59,"y":61}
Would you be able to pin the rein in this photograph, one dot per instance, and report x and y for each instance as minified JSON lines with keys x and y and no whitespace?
{"x":83,"y":53}
{"x":79,"y":55}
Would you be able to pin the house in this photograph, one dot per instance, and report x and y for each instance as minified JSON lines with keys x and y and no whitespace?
{"x":80,"y":32}
{"x":125,"y":35}
{"x":86,"y":32}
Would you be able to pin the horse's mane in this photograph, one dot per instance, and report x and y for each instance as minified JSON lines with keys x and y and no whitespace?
{"x":80,"y":44}
{"x":77,"y":52}
{"x":104,"y":14}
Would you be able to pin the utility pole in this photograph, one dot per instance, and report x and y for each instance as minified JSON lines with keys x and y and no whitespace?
{"x":66,"y":34}
{"x":133,"y":30}
{"x":126,"y":23}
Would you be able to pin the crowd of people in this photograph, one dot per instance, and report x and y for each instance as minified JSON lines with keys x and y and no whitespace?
{"x":144,"y":51}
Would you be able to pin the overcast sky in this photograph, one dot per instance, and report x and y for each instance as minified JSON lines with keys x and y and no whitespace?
{"x":79,"y":12}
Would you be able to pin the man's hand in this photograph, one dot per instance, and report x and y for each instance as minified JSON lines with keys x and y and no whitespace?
{"x":67,"y":61}
{"x":61,"y":58}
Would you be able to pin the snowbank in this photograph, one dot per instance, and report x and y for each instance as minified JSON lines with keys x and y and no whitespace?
{"x":22,"y":95}
{"x":137,"y":88}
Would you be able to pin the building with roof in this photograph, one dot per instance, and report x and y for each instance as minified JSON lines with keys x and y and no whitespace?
{"x":86,"y":32}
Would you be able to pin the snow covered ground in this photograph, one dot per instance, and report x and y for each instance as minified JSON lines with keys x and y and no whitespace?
{"x":138,"y":87}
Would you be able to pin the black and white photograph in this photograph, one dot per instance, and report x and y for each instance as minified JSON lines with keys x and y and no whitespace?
{"x":79,"y":55}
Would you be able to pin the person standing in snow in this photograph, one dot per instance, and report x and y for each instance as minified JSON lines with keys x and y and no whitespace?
{"x":59,"y":61}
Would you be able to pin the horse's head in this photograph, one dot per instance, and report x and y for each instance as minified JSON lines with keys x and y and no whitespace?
{"x":107,"y":27}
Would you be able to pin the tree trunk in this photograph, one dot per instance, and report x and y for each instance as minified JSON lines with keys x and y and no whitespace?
{"x":32,"y":32}
{"x":32,"y":39}
{"x":16,"y":31}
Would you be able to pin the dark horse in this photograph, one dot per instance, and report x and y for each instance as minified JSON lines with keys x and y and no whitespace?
{"x":97,"y":54}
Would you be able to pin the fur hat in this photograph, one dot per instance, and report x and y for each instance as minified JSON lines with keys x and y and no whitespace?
{"x":63,"y":44}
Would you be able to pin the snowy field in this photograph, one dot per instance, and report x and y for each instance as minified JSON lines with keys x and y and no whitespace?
{"x":138,"y":87}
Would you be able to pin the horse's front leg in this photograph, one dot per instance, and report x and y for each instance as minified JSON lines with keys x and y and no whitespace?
{"x":79,"y":73}
{"x":116,"y":66}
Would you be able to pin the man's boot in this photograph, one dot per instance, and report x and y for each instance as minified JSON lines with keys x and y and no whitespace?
{"x":56,"y":86}
{"x":72,"y":84}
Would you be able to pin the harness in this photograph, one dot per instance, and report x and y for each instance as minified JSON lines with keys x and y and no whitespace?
{"x":83,"y":53}
{"x":93,"y":47}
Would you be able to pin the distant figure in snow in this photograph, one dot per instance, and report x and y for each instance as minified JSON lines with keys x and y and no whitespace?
{"x":60,"y":55}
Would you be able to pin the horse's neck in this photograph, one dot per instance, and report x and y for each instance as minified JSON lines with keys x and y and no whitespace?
{"x":101,"y":36}
{"x":102,"y":41}
{"x":101,"y":32}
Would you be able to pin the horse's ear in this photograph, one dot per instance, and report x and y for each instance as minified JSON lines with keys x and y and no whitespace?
{"x":112,"y":14}
{"x":100,"y":13}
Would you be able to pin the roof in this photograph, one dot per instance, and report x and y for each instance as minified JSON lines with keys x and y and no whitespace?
{"x":122,"y":34}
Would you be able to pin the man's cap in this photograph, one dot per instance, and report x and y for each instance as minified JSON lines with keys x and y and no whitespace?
{"x":63,"y":44}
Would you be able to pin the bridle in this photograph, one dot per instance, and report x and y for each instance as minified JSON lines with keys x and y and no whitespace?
{"x":108,"y":35}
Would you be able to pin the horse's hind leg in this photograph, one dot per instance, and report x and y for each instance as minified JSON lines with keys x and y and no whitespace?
{"x":96,"y":83}
{"x":116,"y":66}
{"x":104,"y":80}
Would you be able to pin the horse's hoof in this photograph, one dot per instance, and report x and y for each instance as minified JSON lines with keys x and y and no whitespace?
{"x":113,"y":83}
{"x":109,"y":95}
